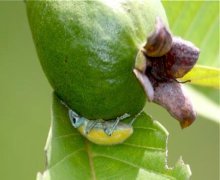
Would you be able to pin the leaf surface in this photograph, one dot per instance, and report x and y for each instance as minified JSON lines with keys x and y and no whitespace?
{"x":203,"y":75}
{"x":198,"y":22}
{"x":142,"y":156}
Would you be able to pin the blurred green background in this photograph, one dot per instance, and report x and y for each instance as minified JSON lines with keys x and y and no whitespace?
{"x":25,"y":98}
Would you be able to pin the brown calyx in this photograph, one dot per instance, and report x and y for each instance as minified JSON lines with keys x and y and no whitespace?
{"x":163,"y":59}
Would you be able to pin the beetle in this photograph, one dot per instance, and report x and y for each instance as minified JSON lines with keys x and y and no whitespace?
{"x":100,"y":131}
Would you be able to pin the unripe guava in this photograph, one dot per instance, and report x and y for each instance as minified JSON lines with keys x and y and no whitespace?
{"x":88,"y":48}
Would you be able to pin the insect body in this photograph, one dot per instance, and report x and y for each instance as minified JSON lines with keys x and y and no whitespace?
{"x":100,"y":131}
{"x":98,"y":136}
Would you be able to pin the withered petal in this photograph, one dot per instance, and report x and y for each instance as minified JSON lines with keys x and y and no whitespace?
{"x":146,"y":84}
{"x":181,"y":58}
{"x":171,"y":96}
{"x":159,"y":42}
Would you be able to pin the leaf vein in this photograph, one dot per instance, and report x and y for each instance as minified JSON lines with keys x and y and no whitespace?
{"x":133,"y":165}
{"x":144,"y":128}
{"x":90,"y":157}
{"x":144,"y":147}
{"x":66,"y":157}
{"x":66,"y":135}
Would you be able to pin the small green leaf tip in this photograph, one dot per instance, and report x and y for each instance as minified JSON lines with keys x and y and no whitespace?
{"x":142,"y":156}
{"x":204,"y":76}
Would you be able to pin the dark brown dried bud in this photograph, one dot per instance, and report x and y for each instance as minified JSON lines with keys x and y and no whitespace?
{"x":159,"y":42}
{"x":171,"y":96}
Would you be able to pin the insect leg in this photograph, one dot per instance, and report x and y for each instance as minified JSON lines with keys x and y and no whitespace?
{"x":90,"y":124}
{"x":109,"y":129}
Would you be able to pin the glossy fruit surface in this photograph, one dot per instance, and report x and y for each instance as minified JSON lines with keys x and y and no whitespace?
{"x":87,"y":50}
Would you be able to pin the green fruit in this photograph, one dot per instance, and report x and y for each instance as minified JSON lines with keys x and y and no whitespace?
{"x":87,"y":50}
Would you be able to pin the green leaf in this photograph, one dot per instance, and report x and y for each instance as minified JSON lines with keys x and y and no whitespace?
{"x":142,"y":156}
{"x":198,"y":22}
{"x":203,"y":75}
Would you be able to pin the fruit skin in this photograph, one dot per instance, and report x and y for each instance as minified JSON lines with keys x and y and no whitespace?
{"x":87,"y":50}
